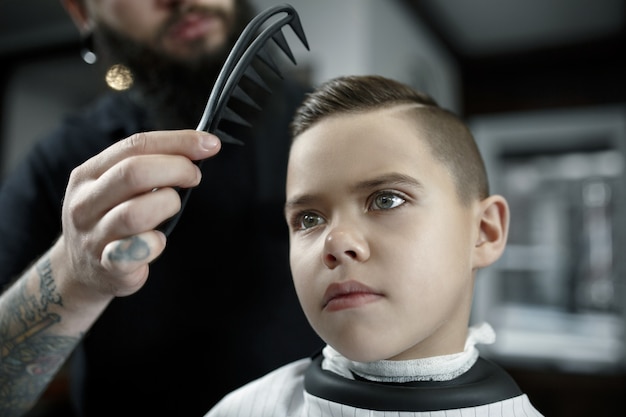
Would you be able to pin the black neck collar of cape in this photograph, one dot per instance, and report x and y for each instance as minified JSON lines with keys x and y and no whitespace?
{"x":483,"y":383}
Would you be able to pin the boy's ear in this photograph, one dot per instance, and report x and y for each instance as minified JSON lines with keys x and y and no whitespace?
{"x":493,"y":231}
{"x":78,"y":12}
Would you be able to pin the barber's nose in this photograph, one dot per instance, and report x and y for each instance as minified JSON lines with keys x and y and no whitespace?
{"x":343,"y":244}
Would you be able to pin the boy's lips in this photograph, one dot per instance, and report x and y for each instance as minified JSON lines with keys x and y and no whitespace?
{"x":350,"y":294}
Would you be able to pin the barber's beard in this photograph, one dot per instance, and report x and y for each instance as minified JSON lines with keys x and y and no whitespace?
{"x":174,"y":91}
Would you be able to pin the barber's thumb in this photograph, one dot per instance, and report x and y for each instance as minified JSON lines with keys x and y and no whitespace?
{"x":129,"y":254}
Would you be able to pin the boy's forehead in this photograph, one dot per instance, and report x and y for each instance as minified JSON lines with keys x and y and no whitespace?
{"x":389,"y":128}
{"x":348,"y":147}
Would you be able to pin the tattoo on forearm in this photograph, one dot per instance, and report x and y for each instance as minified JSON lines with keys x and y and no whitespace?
{"x":29,"y":357}
{"x":130,"y":249}
{"x":47,"y":285}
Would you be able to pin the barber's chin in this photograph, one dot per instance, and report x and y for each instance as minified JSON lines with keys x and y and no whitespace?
{"x":184,"y":57}
{"x":192,"y":52}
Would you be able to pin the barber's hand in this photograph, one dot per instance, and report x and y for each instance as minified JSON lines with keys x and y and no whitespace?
{"x":115,"y":201}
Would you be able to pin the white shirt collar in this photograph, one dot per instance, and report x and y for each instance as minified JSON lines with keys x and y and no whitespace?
{"x":437,"y":368}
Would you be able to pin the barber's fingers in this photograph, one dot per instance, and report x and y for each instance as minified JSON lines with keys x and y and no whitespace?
{"x":195,"y":145}
{"x":129,"y":260}
{"x":138,"y":175}
{"x":141,"y":213}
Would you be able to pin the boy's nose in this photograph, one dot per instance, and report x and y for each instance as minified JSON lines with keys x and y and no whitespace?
{"x":344,"y":245}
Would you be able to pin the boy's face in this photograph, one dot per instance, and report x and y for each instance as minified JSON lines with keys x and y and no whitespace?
{"x":382,"y":251}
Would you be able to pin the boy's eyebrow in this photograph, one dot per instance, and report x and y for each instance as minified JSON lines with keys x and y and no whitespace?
{"x":302,"y":200}
{"x":390,"y":179}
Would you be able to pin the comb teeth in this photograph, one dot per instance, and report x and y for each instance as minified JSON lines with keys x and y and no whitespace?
{"x":280,"y":40}
{"x":226,"y":138}
{"x":264,"y":56}
{"x":254,"y":76}
{"x":229,"y":114}
{"x":250,"y":45}
{"x":242,"y":96}
{"x":296,"y":26}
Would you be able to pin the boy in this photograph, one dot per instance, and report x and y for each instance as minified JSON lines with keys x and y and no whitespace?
{"x":389,"y":218}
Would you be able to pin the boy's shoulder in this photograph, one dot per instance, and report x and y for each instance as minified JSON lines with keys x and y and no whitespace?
{"x":275,"y":393}
{"x":304,"y":384}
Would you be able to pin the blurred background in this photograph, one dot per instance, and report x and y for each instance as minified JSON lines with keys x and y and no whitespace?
{"x":541,"y":84}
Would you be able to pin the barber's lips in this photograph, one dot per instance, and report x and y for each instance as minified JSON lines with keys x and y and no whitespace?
{"x":193,"y":26}
{"x":351,"y":294}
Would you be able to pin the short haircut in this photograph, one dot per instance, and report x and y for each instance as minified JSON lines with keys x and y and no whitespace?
{"x":448,"y":138}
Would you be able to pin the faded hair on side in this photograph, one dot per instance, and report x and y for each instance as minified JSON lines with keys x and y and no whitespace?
{"x":448,"y":137}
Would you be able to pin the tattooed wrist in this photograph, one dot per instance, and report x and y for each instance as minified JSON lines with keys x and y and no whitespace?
{"x":29,"y":355}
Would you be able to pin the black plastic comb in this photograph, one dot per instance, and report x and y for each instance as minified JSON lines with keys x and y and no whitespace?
{"x":252,"y":43}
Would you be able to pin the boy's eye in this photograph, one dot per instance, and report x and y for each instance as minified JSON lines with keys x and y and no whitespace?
{"x":308,"y":220}
{"x":386,"y":201}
